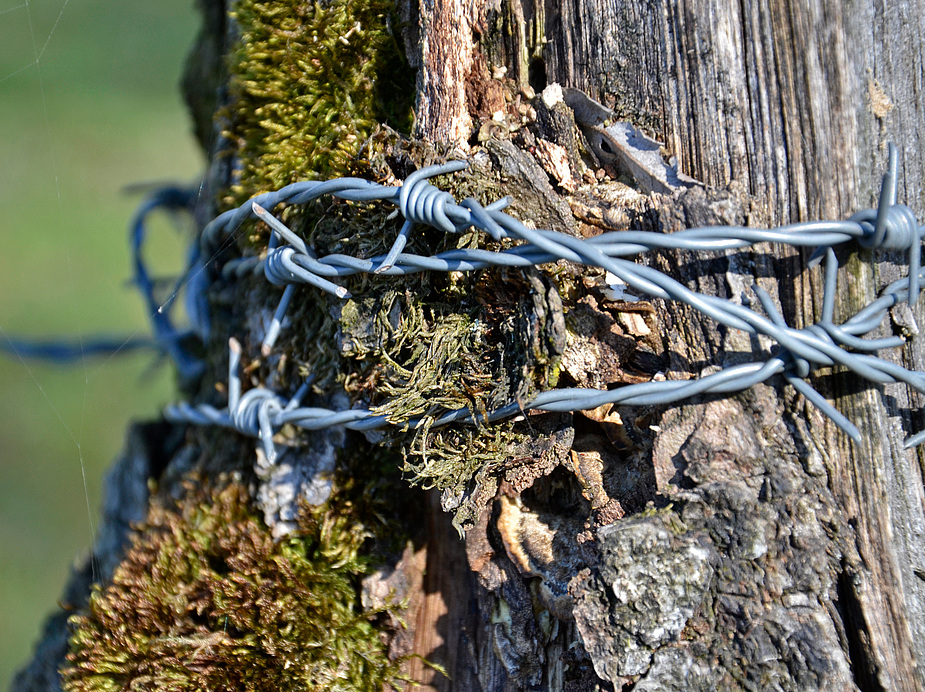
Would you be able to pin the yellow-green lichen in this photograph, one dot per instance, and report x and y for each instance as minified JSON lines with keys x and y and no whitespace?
{"x":309,"y":83}
{"x":206,"y":599}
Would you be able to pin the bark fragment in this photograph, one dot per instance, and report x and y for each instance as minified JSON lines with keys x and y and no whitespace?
{"x":648,"y":584}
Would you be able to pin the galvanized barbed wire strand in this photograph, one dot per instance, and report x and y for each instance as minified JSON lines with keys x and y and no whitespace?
{"x":892,"y":226}
{"x":254,"y":413}
{"x":616,"y":244}
{"x":168,"y":337}
{"x":242,"y":413}
{"x":165,"y":336}
{"x":287,"y":263}
{"x":58,"y":350}
{"x":261,"y":412}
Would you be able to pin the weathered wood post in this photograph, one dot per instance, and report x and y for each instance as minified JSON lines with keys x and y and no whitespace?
{"x":723,"y":543}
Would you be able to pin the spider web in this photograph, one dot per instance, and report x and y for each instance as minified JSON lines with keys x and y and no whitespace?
{"x":88,"y":105}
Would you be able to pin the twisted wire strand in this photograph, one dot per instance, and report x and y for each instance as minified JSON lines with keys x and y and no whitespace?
{"x":57,"y":350}
{"x":166,"y":336}
{"x":260,"y":412}
{"x":169,"y":338}
{"x":256,"y":413}
{"x":890,"y":226}
{"x":726,"y":381}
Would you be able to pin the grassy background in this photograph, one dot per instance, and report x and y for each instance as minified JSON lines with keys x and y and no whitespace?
{"x":98,"y":110}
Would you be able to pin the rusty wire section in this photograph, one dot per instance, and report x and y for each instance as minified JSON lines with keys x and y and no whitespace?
{"x":289,"y":262}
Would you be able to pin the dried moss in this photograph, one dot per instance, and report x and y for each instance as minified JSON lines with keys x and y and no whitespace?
{"x":415,"y":347}
{"x":465,"y":463}
{"x":309,"y":82}
{"x":442,"y":373}
{"x":206,"y":599}
{"x":415,"y":357}
{"x":442,"y":342}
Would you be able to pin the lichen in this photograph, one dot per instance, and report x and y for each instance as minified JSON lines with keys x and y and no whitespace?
{"x":309,"y":82}
{"x":206,"y":599}
{"x":649,"y":583}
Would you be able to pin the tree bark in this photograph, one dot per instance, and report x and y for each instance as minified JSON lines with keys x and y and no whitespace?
{"x":737,"y":542}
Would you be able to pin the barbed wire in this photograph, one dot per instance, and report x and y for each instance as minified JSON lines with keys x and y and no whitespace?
{"x":891,"y":226}
{"x":167,"y":337}
{"x":172,"y":340}
{"x":289,"y":262}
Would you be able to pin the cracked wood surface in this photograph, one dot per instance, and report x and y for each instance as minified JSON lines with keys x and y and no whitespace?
{"x":734,"y":543}
{"x":789,"y":106}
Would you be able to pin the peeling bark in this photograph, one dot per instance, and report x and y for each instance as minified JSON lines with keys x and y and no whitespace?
{"x":723,"y":543}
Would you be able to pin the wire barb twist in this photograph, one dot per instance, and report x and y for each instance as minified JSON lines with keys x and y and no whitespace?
{"x":289,"y":262}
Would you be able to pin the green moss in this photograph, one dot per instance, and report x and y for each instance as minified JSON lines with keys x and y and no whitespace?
{"x":441,"y":373}
{"x":206,"y":599}
{"x":434,"y":343}
{"x":466,"y":464}
{"x":309,"y":83}
{"x":416,"y":347}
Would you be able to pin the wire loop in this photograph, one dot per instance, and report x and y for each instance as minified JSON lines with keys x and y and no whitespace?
{"x":261,"y":412}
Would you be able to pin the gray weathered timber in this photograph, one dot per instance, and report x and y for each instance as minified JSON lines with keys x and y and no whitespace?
{"x":792,"y":101}
{"x":729,"y":543}
{"x":789,"y":104}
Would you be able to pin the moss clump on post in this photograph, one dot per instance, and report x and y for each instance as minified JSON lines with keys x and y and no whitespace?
{"x":309,"y":83}
{"x":466,"y":464}
{"x":413,"y":348}
{"x":206,"y":599}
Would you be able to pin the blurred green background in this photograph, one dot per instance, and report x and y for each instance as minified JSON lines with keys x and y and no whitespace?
{"x":89,"y":103}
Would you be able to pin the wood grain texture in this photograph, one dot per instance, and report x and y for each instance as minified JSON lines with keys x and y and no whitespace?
{"x":795,"y":101}
{"x":439,"y":621}
{"x":726,"y":543}
{"x":446,"y":46}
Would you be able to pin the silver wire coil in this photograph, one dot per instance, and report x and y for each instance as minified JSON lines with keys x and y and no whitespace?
{"x":289,"y":262}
